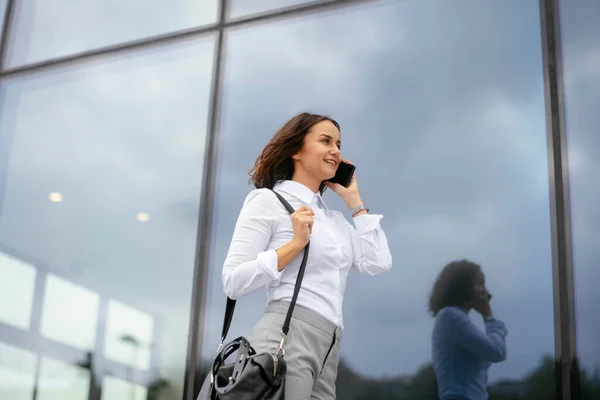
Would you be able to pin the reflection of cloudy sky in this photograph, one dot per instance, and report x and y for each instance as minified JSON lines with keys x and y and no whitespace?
{"x":115,"y":137}
{"x":581,"y":54}
{"x":442,"y":110}
{"x":52,"y":29}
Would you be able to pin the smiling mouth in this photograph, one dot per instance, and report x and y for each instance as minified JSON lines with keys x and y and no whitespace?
{"x":331,"y":162}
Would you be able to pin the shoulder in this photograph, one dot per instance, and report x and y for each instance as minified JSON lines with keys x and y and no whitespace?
{"x":451,"y":315}
{"x":261,"y":197}
{"x":261,"y":206}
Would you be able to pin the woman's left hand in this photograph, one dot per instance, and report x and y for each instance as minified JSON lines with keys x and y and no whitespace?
{"x":350,"y":194}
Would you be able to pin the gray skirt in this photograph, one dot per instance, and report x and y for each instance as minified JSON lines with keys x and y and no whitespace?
{"x":312,"y":350}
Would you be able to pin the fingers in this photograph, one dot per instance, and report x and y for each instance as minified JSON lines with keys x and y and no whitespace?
{"x":303,"y":211}
{"x":306,"y":220}
{"x":304,"y":215}
{"x":303,"y":208}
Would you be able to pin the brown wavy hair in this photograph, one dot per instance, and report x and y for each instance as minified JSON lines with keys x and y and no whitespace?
{"x":275,"y":162}
{"x":454,"y":285}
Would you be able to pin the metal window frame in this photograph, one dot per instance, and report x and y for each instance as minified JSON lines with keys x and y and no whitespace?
{"x":566,"y":370}
{"x":7,"y":21}
{"x":192,"y":382}
{"x":567,"y":382}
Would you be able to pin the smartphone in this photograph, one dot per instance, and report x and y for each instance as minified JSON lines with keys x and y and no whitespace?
{"x":344,"y":174}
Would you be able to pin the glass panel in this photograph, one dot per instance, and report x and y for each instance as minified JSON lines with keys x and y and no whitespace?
{"x":240,"y":8}
{"x":128,"y":335}
{"x":581,"y":58}
{"x":17,"y":284}
{"x":449,"y":141}
{"x":17,"y":373}
{"x":45,"y":30}
{"x":70,"y":313}
{"x":115,"y":388}
{"x":103,"y":183}
{"x":60,"y":381}
{"x":2,"y":10}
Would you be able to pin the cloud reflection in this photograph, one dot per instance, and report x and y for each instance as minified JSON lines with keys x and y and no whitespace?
{"x":444,"y":118}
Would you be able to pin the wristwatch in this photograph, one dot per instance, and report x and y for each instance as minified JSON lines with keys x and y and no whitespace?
{"x":358,"y":208}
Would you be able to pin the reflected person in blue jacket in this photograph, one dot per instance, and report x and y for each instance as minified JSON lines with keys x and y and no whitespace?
{"x":462,"y":353}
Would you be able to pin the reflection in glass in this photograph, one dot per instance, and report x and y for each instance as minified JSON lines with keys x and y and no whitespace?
{"x":17,"y":284}
{"x":241,"y":8}
{"x":462,"y":354}
{"x":128,"y":335}
{"x":581,"y":60}
{"x":115,"y":137}
{"x":115,"y":388}
{"x":449,"y":140}
{"x":17,"y":373}
{"x":60,"y":381}
{"x":70,"y":313}
{"x":2,"y":10}
{"x":44,"y":30}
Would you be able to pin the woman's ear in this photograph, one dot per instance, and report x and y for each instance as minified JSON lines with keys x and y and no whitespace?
{"x":296,"y":156}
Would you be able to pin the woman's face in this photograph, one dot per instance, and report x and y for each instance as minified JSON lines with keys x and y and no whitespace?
{"x":480,"y":288}
{"x":319,"y":156}
{"x":479,"y":279}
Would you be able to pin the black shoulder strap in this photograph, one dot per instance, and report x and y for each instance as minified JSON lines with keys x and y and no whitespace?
{"x":286,"y":325}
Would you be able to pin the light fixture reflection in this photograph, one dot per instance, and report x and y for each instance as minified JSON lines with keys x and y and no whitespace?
{"x":143,"y":217}
{"x":55,"y":197}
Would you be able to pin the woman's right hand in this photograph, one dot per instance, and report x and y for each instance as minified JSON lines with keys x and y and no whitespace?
{"x":482,"y":302}
{"x":302,"y":222}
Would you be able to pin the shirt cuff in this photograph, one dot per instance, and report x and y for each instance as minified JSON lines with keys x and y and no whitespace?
{"x":496,"y":326}
{"x":366,"y":222}
{"x":267,"y":261}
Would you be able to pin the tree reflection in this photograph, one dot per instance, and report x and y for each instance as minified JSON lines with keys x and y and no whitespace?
{"x":539,"y":384}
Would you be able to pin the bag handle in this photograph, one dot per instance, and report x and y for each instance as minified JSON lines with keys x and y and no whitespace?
{"x":230,"y":308}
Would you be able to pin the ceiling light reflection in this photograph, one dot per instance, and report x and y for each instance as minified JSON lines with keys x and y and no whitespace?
{"x":143,"y":217}
{"x":55,"y":197}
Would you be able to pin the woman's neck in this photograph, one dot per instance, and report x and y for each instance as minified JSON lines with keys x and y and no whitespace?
{"x":310,"y":183}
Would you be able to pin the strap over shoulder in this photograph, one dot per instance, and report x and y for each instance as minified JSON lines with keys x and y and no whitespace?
{"x":230,"y":308}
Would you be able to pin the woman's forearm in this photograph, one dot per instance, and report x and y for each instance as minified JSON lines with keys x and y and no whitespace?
{"x":287,"y":252}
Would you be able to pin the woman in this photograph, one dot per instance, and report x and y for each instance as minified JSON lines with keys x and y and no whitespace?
{"x":267,"y":248}
{"x":462,"y":353}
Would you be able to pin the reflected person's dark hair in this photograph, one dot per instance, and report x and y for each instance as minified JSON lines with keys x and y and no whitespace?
{"x":454,"y":285}
{"x":275,"y":162}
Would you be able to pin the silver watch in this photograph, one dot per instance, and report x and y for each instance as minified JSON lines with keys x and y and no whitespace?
{"x":358,"y":208}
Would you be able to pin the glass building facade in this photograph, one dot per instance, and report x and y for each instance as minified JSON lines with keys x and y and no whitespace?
{"x":127,"y":130}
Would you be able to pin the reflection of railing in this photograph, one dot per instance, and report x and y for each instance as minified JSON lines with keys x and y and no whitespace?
{"x":135,"y":344}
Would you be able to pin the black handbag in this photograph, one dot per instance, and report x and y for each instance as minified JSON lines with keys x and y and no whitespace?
{"x":251,"y":376}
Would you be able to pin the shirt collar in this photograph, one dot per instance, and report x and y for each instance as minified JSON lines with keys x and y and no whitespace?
{"x":301,"y":192}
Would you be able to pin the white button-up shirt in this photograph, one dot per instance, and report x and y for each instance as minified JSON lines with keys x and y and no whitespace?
{"x":264,"y":225}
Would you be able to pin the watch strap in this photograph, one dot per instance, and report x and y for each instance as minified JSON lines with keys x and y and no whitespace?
{"x":359,"y":208}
